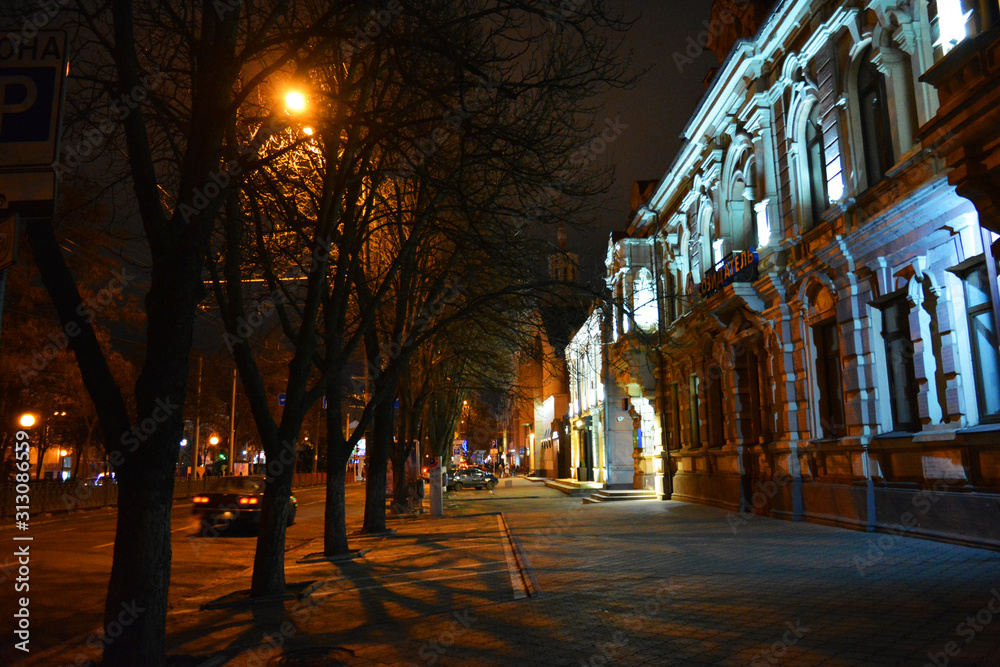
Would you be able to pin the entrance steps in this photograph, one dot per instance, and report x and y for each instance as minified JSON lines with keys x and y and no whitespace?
{"x":608,"y":495}
{"x":573,"y":488}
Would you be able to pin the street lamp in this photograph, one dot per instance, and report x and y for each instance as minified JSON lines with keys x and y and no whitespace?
{"x":27,"y":420}
{"x":295,"y":102}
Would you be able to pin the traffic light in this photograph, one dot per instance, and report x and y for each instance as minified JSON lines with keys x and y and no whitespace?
{"x":222,"y":457}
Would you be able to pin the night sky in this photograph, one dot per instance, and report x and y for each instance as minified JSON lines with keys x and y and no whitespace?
{"x":655,"y":111}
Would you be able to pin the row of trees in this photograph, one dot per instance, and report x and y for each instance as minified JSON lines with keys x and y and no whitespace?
{"x":391,"y":214}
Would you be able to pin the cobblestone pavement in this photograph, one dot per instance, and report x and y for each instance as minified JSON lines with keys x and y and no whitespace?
{"x":653,"y":583}
{"x":624,"y":583}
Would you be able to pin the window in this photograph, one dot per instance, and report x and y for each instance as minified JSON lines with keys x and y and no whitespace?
{"x":671,"y":289}
{"x":899,"y":359}
{"x":750,"y":393}
{"x":675,"y":405}
{"x":875,"y":133}
{"x":951,"y":24}
{"x":819,"y":198}
{"x":831,"y":397}
{"x":694,"y":424}
{"x":716,"y":412}
{"x":644,"y":300}
{"x":983,"y":335}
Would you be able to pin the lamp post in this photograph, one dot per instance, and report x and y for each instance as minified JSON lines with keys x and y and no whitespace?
{"x":214,"y":440}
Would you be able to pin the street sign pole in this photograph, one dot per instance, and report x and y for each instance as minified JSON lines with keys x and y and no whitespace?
{"x":8,"y":255}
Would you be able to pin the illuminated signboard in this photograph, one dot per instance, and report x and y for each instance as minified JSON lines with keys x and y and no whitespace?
{"x":741,"y":268}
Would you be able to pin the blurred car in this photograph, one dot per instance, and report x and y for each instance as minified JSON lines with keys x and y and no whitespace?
{"x":461,"y":478}
{"x":237,"y":500}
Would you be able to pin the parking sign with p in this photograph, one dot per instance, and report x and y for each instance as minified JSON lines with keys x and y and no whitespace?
{"x":32,"y":72}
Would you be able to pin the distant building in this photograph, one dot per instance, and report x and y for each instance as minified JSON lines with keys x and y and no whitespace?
{"x":541,"y":435}
{"x":807,"y":302}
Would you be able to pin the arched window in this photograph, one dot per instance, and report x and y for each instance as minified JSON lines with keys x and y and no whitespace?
{"x":819,"y":198}
{"x":875,"y":129}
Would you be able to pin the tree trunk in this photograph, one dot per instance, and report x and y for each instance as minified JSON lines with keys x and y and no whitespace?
{"x":269,"y":560}
{"x":338,"y":452}
{"x":335,"y":518}
{"x":41,"y":457}
{"x":378,"y":459}
{"x":140,"y":572}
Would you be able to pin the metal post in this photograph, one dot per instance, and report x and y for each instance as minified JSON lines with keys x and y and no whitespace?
{"x":319,"y":413}
{"x":3,"y":291}
{"x":197,"y":422}
{"x":232,"y":428}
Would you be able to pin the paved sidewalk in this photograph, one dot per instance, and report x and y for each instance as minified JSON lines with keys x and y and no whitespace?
{"x":626,"y":583}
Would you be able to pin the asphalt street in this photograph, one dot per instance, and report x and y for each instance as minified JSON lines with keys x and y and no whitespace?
{"x":71,"y":560}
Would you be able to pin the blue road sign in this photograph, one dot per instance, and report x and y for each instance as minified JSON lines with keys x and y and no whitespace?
{"x":281,"y":399}
{"x":32,"y":72}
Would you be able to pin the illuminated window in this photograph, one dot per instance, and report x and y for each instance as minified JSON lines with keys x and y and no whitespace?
{"x":874,"y":120}
{"x":952,"y":23}
{"x":644,"y":301}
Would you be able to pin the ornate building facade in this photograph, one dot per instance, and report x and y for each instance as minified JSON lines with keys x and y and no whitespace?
{"x":808,"y":299}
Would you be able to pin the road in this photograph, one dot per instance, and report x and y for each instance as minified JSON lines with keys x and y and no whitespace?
{"x":71,"y":560}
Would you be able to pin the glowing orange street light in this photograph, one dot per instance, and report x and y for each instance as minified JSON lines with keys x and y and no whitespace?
{"x":27,"y":420}
{"x":214,"y":440}
{"x":295,"y":102}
